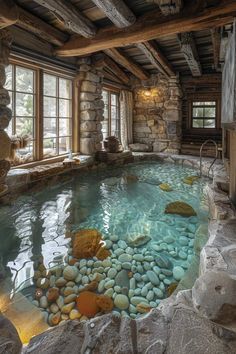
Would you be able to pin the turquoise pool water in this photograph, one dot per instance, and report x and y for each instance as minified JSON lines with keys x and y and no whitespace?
{"x":122,"y":208}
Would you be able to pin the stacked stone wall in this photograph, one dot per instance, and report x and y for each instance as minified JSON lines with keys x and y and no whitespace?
{"x":91,"y":107}
{"x":158,"y":114}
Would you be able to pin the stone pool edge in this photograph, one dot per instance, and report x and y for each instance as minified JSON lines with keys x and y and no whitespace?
{"x":192,"y":320}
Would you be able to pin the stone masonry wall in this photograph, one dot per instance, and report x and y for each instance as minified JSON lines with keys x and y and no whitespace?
{"x":157,"y":113}
{"x":91,"y":107}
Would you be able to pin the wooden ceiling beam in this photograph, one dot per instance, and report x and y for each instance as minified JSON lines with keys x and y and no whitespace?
{"x":156,"y":57}
{"x":117,"y":11}
{"x":70,"y":16}
{"x":216,"y":39}
{"x":152,"y":26}
{"x":169,"y":7}
{"x":107,"y":62}
{"x":40,"y":28}
{"x":127,"y":63}
{"x":8,"y":13}
{"x":189,"y":50}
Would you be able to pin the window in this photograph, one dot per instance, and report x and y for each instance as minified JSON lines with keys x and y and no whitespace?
{"x":20,"y":82}
{"x":204,"y":114}
{"x":111,"y":122}
{"x":57,"y":115}
{"x":41,"y":105}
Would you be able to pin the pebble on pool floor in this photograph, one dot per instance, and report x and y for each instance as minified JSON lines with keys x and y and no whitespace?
{"x":132,"y":280}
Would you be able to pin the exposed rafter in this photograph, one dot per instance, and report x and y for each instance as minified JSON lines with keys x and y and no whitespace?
{"x":45,"y":31}
{"x":169,"y":7}
{"x":155,"y":56}
{"x":70,"y":16}
{"x":152,"y":26}
{"x":117,"y":11}
{"x":107,"y":62}
{"x":8,"y":13}
{"x":189,"y":49}
{"x":216,"y":38}
{"x":127,"y":63}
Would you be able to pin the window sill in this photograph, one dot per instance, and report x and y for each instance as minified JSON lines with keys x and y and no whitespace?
{"x":42,"y":162}
{"x":24,"y":175}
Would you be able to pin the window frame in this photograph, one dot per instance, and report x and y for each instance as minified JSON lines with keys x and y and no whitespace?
{"x":40,"y":69}
{"x":204,"y":98}
{"x":112,"y":91}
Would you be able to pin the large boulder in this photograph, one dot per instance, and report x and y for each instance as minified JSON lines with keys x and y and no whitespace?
{"x":214,"y":296}
{"x":190,"y":333}
{"x":9,"y":340}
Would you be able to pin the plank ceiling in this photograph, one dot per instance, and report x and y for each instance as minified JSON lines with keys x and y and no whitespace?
{"x":169,"y":46}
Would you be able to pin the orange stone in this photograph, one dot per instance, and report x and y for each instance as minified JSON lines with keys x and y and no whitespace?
{"x":105,"y":303}
{"x":86,"y":304}
{"x":53,"y":294}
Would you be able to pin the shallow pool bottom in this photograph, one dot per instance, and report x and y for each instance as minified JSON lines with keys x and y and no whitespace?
{"x":126,"y":205}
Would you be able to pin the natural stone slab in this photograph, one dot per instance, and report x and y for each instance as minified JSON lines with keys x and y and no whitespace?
{"x":214,"y":296}
{"x":152,"y":333}
{"x":190,"y":333}
{"x":140,"y":147}
{"x":159,"y":146}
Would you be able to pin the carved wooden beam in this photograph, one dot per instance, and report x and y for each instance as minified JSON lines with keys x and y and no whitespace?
{"x":189,"y":50}
{"x":152,"y":26}
{"x":117,"y":11}
{"x":107,"y":62}
{"x":216,"y":38}
{"x":127,"y":63}
{"x":155,"y":56}
{"x":8,"y":13}
{"x":70,"y":16}
{"x":45,"y":31}
{"x":169,"y":7}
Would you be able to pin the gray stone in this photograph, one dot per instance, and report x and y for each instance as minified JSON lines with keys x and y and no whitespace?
{"x":88,"y":86}
{"x":190,"y":333}
{"x":10,"y":342}
{"x":140,"y":147}
{"x":87,"y":146}
{"x":159,"y":146}
{"x":214,"y":296}
{"x":122,"y":279}
{"x":87,"y":115}
{"x":151,"y":334}
{"x":88,"y":126}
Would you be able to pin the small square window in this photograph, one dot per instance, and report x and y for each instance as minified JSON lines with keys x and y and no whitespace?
{"x":203,"y":114}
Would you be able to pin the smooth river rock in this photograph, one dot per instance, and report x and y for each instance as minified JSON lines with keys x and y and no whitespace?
{"x":121,"y":301}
